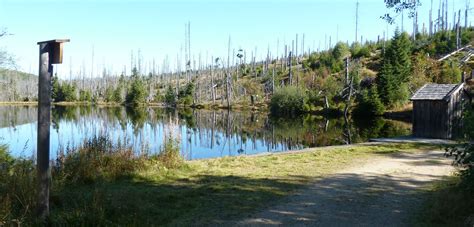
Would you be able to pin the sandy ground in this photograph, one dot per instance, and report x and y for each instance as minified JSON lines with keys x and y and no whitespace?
{"x":385,"y":191}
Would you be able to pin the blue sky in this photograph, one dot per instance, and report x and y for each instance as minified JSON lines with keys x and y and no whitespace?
{"x":113,"y":29}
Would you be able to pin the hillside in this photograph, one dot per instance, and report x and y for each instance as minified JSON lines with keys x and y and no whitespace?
{"x":17,"y":86}
{"x":321,"y":76}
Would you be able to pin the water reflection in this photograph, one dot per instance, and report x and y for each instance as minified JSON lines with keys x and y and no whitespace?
{"x":204,"y":133}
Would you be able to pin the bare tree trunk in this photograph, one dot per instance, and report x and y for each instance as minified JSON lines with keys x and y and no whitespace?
{"x":213,"y":91}
{"x":458,"y":31}
{"x":289,"y":65}
{"x":349,"y":82}
{"x":273,"y":80}
{"x":227,"y":89}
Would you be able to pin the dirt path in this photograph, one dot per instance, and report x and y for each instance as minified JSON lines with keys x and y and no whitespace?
{"x":384,"y":191}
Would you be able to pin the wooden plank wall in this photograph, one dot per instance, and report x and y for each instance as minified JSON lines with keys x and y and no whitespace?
{"x":430,"y":119}
{"x":438,"y":119}
{"x":455,"y":114}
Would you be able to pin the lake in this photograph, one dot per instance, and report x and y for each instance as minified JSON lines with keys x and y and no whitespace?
{"x":203,"y":133}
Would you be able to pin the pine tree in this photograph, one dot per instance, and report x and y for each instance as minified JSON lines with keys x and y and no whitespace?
{"x":170,"y":97}
{"x":137,"y":93}
{"x":396,"y":69}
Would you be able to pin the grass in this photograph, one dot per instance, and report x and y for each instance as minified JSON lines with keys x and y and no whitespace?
{"x":202,"y":192}
{"x":450,"y":203}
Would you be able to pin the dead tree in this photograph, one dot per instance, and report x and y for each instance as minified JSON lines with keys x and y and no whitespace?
{"x":431,"y":20}
{"x":289,"y":66}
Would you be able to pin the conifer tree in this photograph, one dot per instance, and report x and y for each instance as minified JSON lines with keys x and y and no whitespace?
{"x":395,"y":73}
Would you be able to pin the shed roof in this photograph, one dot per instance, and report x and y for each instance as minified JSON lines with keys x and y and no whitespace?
{"x":436,"y":91}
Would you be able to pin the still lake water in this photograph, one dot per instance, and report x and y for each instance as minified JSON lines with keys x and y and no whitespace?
{"x":204,"y":133}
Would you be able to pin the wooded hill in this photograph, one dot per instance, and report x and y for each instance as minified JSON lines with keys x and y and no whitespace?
{"x":341,"y":76}
{"x":17,"y":86}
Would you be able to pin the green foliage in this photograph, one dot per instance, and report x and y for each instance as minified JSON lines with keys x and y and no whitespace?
{"x":85,"y":96}
{"x":137,"y":93}
{"x":63,"y":92}
{"x":464,"y":154}
{"x":109,"y":94}
{"x":137,"y":116}
{"x":5,"y":157}
{"x":369,"y":103}
{"x":113,"y":95}
{"x":288,"y":100}
{"x":326,"y":59}
{"x":450,"y":73}
{"x":311,"y":62}
{"x":358,"y":51}
{"x":117,"y":95}
{"x":170,"y":97}
{"x":454,"y":203}
{"x":396,"y":70}
{"x":97,"y":159}
{"x":341,"y":51}
{"x":186,"y":94}
{"x":169,"y":155}
{"x":330,"y":87}
{"x":443,"y":42}
{"x":424,"y":69}
{"x":17,"y":188}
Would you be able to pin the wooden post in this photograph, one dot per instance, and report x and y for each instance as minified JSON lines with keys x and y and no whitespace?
{"x":50,"y":52}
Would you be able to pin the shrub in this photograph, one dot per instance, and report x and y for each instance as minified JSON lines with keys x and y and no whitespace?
{"x":97,"y":159}
{"x":455,"y":204}
{"x":17,"y":188}
{"x":450,"y":73}
{"x":169,"y":155}
{"x":464,"y":154}
{"x":288,"y":100}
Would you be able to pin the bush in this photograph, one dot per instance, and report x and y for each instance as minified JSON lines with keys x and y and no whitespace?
{"x":341,"y":51}
{"x":97,"y":159}
{"x":169,"y":155}
{"x":17,"y":189}
{"x":450,"y":73}
{"x":454,"y":203}
{"x":288,"y":100}
{"x":464,"y":154}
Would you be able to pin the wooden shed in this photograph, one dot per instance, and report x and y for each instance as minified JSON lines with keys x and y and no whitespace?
{"x":437,"y":111}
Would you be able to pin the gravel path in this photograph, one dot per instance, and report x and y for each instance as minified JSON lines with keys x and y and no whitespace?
{"x":383,"y":192}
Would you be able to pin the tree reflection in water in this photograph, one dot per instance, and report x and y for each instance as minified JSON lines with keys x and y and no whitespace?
{"x":204,"y":133}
